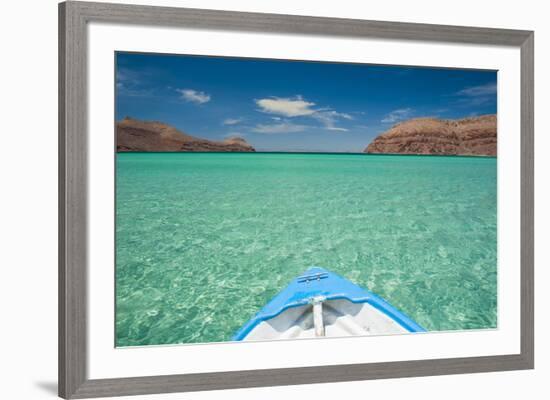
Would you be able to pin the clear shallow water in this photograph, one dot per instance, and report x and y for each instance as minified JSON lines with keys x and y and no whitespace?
{"x":204,"y":240}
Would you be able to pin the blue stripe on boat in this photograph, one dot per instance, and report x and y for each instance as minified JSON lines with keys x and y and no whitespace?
{"x":315,"y":282}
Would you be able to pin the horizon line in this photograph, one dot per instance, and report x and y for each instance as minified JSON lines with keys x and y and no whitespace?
{"x":306,"y":152}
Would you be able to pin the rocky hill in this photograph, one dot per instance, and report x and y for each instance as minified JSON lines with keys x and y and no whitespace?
{"x":468,"y":136}
{"x":135,"y":135}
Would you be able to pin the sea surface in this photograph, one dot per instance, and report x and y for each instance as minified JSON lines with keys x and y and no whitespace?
{"x":204,"y":240}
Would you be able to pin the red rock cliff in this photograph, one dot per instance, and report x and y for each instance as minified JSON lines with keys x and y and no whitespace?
{"x":468,"y":136}
{"x":135,"y":135}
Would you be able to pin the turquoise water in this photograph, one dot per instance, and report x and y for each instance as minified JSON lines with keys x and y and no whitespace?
{"x":204,"y":240}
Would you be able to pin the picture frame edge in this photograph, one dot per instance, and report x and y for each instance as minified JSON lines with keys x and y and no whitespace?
{"x":72,"y":203}
{"x":295,"y":376}
{"x":527,"y":199}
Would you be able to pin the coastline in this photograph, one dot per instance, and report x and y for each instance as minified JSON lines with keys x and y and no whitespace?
{"x":308,"y":152}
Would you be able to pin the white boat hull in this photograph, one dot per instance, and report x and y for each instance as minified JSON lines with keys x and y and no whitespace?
{"x":340,"y":318}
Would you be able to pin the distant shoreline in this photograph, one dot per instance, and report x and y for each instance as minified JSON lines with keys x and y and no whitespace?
{"x":309,"y":152}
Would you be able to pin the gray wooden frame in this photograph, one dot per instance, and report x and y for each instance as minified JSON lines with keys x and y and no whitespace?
{"x":73,"y":20}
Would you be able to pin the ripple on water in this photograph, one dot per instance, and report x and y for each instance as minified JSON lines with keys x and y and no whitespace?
{"x":205,"y":240}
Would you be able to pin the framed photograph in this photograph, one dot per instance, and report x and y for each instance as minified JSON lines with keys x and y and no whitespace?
{"x":255,"y":200}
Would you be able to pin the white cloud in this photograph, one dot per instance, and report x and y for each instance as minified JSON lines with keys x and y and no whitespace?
{"x":329,"y":118}
{"x":232,"y":121}
{"x":287,"y":107}
{"x":231,"y":135}
{"x":481,"y":90}
{"x":194,"y":96}
{"x":129,"y":83}
{"x":128,"y":76}
{"x":397,"y":115}
{"x":297,"y":106}
{"x":474,"y":96}
{"x":284,"y":127}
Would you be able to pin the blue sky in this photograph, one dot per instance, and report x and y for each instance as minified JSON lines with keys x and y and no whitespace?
{"x":293,"y":105}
